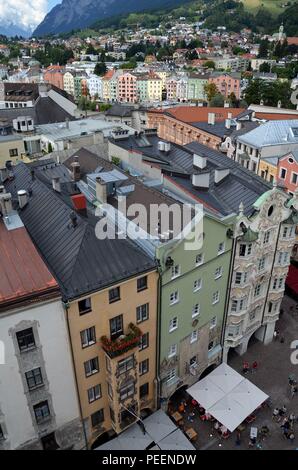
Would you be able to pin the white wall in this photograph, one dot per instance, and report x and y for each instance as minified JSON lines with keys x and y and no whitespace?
{"x":56,"y":353}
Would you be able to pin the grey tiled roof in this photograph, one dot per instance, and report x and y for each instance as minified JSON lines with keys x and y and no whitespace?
{"x":80,"y":262}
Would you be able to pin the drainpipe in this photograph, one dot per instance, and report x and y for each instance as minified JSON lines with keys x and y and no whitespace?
{"x":158,"y":338}
{"x":272,"y":267}
{"x":226,"y":310}
{"x":66,"y":306}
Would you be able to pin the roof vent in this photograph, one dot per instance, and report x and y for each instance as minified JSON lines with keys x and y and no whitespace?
{"x":220,"y":175}
{"x":201,"y":180}
{"x":199,"y":162}
{"x":161,"y":146}
{"x":211,"y":118}
{"x":22,"y":198}
{"x":73,"y":219}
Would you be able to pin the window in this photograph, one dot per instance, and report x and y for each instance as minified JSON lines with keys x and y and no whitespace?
{"x":144,"y":342}
{"x":171,"y":375}
{"x":174,"y":297}
{"x":238,"y":305}
{"x":283,"y":173}
{"x":197,"y":285}
{"x":175,"y":271}
{"x":278,"y":283}
{"x":110,"y":390}
{"x":210,"y":345}
{"x":116,"y":327}
{"x":34,"y":378}
{"x":215,"y":297}
{"x":88,"y":337}
{"x":127,"y":391}
{"x":114,"y":294}
{"x":84,"y":306}
{"x":126,"y":364}
{"x":97,"y":418}
{"x":94,"y":393}
{"x":266,"y":238}
{"x":213,"y":322}
{"x":41,"y":411}
{"x":261,"y":264}
{"x":172,"y":350}
{"x":144,"y":367}
{"x":199,"y":259}
{"x":257,"y":290}
{"x":144,"y":390}
{"x":221,"y":248}
{"x":245,"y":249}
{"x":294,"y":178}
{"x":194,"y":336}
{"x":142,"y":283}
{"x":240,"y":278}
{"x":283,"y":258}
{"x":195,"y":310}
{"x":218,"y":272}
{"x":13,"y":152}
{"x":142,"y":313}
{"x":193,"y":361}
{"x":91,"y":367}
{"x":288,"y":232}
{"x":25,"y":339}
{"x":108,"y":364}
{"x":173,"y":324}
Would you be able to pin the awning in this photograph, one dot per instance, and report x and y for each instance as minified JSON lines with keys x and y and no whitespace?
{"x":175,"y":441}
{"x":292,"y":279}
{"x":227,"y":396}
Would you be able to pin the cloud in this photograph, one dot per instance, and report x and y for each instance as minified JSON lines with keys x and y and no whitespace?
{"x":26,"y":14}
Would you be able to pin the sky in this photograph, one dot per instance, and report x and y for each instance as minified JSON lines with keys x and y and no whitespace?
{"x":26,"y":14}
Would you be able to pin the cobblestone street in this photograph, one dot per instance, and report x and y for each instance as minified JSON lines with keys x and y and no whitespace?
{"x":271,"y":377}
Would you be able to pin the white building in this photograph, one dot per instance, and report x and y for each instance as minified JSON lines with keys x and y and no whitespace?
{"x":38,"y":401}
{"x":94,"y":86}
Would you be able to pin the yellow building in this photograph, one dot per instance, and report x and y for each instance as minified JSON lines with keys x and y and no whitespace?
{"x":69,"y":83}
{"x":119,"y":382}
{"x":163,"y":75}
{"x":155,"y":88}
{"x":268,"y":168}
{"x":11,"y":148}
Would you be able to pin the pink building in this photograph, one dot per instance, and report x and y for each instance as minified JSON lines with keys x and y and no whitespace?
{"x":127,"y":88}
{"x":287,"y":171}
{"x":226,"y":84}
{"x":54,"y":75}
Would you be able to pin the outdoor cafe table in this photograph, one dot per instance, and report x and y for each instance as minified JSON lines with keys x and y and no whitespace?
{"x":191,"y":434}
{"x":177,"y":417}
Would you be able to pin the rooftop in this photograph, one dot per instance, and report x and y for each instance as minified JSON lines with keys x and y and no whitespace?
{"x":192,"y":114}
{"x":24,"y":278}
{"x":80,"y":262}
{"x":272,"y":133}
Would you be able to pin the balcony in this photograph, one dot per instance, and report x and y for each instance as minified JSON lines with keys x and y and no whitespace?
{"x":123,"y":343}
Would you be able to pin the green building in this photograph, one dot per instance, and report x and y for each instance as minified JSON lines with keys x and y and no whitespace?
{"x":195,"y":86}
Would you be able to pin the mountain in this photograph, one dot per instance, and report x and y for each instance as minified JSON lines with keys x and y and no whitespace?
{"x":11,"y":30}
{"x":78,"y":14}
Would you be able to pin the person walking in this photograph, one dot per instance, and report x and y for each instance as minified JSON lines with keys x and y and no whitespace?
{"x":275,"y":415}
{"x":254,"y":366}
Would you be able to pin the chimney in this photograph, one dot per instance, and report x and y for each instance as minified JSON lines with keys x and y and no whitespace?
{"x":211,"y":119}
{"x":226,"y":104}
{"x":2,"y":189}
{"x":228,"y":123}
{"x":279,"y":104}
{"x":199,"y":162}
{"x":56,"y":184}
{"x":230,"y":115}
{"x":73,"y":219}
{"x":6,"y":203}
{"x":67,"y":123}
{"x":3,"y":174}
{"x":201,"y":180}
{"x":220,"y":175}
{"x":101,"y":190}
{"x":76,"y":169}
{"x":238,"y":126}
{"x":22,"y":198}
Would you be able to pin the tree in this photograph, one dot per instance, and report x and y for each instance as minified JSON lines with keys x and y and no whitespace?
{"x":217,"y":101}
{"x":233,"y":100}
{"x":265,"y":67}
{"x":209,"y":64}
{"x":210,"y":90}
{"x":264,"y":48}
{"x":100,"y":69}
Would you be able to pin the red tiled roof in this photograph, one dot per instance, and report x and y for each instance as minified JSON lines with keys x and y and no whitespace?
{"x":292,"y":40}
{"x":276,"y":117}
{"x":200,"y":114}
{"x":23,"y":275}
